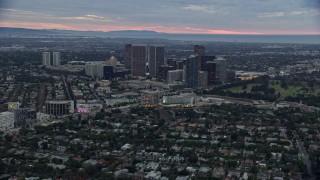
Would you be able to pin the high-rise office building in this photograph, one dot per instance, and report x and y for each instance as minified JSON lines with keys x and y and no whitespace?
{"x":199,"y":50}
{"x":127,"y":56}
{"x":221,"y":69}
{"x":163,"y":72}
{"x":108,"y":72}
{"x":46,"y":59}
{"x":179,"y":64}
{"x":211,"y":70}
{"x":204,"y":60}
{"x":56,"y":59}
{"x":138,"y":60}
{"x":192,"y":68}
{"x":155,"y":59}
{"x":172,"y":62}
{"x":203,"y":79}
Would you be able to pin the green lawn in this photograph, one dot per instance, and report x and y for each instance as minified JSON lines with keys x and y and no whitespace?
{"x":239,"y":89}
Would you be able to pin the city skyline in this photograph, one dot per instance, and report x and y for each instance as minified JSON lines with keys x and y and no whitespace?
{"x":182,"y":17}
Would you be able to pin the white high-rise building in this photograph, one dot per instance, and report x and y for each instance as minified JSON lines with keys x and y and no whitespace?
{"x":56,"y":59}
{"x":46,"y":58}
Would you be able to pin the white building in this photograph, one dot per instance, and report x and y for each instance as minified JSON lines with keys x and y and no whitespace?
{"x":271,"y":71}
{"x":56,"y":59}
{"x":91,"y":69}
{"x":46,"y":59}
{"x":95,"y":69}
{"x":6,"y":121}
{"x":187,"y":98}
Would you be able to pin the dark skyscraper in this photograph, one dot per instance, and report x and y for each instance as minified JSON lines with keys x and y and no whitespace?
{"x":155,"y":59}
{"x":192,"y":68}
{"x":204,"y":60}
{"x":138,"y":60}
{"x":212,"y":72}
{"x":108,"y":72}
{"x":163,"y":72}
{"x":127,"y":56}
{"x":172,"y":62}
{"x":199,"y":50}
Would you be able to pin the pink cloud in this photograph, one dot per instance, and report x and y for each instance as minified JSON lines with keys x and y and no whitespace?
{"x":105,"y":28}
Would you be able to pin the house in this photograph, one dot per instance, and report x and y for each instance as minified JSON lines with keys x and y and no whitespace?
{"x":153,"y":175}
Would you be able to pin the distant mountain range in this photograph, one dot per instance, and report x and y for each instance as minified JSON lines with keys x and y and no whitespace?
{"x":112,"y":34}
{"x":307,"y":39}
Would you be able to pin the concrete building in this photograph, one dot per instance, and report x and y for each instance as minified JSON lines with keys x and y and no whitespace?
{"x":99,"y":69}
{"x":46,"y":59}
{"x":127,"y":55}
{"x":172,"y":62}
{"x":56,"y":59}
{"x":138,"y":60}
{"x":180,"y":64}
{"x":212,"y":73}
{"x":186,"y":98}
{"x":192,"y":68}
{"x":25,"y":117}
{"x":203,"y":79}
{"x":155,"y":59}
{"x":174,"y":76}
{"x":204,"y":60}
{"x":150,"y":98}
{"x":163,"y":72}
{"x":59,"y":108}
{"x":272,"y":71}
{"x":221,"y":69}
{"x":91,"y":69}
{"x":6,"y":121}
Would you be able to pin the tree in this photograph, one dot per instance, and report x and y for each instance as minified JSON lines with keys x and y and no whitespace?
{"x":192,"y":158}
{"x":244,"y":87}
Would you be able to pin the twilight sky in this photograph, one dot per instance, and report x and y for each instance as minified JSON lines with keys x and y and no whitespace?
{"x":171,"y":16}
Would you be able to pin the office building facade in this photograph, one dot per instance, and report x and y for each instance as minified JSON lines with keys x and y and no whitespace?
{"x":127,"y":56}
{"x":59,"y":108}
{"x":203,"y":79}
{"x":174,"y":76}
{"x":192,"y":68}
{"x":150,"y":98}
{"x":204,"y":60}
{"x":56,"y":58}
{"x":155,"y":59}
{"x":25,"y":117}
{"x":138,"y":60}
{"x":163,"y":72}
{"x":46,"y":59}
{"x":211,"y":71}
{"x":221,"y":70}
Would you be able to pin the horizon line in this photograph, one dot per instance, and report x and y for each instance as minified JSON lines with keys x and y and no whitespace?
{"x":213,"y":32}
